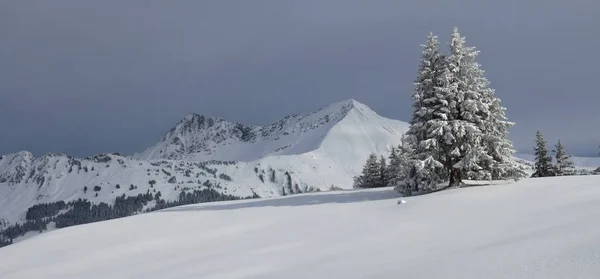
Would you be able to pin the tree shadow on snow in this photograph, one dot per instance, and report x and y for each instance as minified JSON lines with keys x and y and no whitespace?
{"x":350,"y":196}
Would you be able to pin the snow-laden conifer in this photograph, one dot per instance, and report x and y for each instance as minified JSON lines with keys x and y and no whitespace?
{"x":371,"y":174}
{"x":543,"y":162}
{"x":564,"y":164}
{"x":429,"y":133}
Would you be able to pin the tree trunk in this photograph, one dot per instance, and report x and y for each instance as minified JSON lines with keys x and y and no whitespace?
{"x":455,"y":177}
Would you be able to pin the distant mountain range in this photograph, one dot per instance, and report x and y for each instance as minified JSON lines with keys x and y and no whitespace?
{"x":299,"y":153}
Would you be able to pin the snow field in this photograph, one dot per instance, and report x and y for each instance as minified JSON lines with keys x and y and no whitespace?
{"x":534,"y":228}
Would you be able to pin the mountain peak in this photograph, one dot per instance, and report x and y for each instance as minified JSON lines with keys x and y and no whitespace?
{"x":347,"y":105}
{"x":352,"y":102}
{"x":207,"y":138}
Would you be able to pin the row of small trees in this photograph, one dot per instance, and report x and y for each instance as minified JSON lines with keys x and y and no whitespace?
{"x":379,"y":172}
{"x":543,"y":162}
{"x":458,"y":130}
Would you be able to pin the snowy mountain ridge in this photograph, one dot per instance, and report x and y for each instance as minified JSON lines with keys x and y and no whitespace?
{"x":197,"y":137}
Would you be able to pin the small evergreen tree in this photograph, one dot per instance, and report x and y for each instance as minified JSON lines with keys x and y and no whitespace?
{"x":543,"y":162}
{"x":391,"y":168}
{"x":399,"y":165}
{"x":422,"y":175}
{"x":383,"y":173}
{"x":371,"y":174}
{"x":564,"y":165}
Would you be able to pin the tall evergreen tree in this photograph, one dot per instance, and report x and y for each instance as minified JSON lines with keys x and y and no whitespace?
{"x":543,"y":162}
{"x":466,"y":88}
{"x":564,"y":164}
{"x":459,"y":128}
{"x":429,"y":131}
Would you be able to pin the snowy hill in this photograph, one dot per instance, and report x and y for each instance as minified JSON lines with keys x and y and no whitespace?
{"x":298,"y":154}
{"x":534,"y":228}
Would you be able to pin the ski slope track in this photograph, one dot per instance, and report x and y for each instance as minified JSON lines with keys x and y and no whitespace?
{"x":534,"y":228}
{"x":298,"y":154}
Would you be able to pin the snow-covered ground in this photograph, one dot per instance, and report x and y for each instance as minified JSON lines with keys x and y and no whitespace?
{"x":534,"y":228}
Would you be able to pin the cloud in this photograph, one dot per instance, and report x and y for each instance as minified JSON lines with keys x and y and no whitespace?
{"x":82,"y":78}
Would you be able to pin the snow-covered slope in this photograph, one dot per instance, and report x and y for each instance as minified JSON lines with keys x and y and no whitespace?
{"x":300,"y":153}
{"x":26,"y":181}
{"x":534,"y":228}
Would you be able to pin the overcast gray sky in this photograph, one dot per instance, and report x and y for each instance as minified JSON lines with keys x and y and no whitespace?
{"x":84,"y":77}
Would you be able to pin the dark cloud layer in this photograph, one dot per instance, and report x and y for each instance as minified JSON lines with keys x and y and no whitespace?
{"x":84,"y":77}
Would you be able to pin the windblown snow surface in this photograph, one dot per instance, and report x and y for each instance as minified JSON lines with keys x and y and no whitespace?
{"x":534,"y":228}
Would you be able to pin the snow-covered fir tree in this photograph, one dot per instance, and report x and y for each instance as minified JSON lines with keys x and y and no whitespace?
{"x":543,"y":162}
{"x":371,"y":174}
{"x":392,"y":168}
{"x":468,"y":93}
{"x":383,"y":173}
{"x":429,"y":132}
{"x":399,"y":162}
{"x":459,"y":128}
{"x":564,"y":165}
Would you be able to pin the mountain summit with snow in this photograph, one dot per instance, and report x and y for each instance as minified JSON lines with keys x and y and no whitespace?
{"x":202,"y":138}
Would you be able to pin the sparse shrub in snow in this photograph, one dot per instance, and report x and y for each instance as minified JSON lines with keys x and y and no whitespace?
{"x":172,"y":180}
{"x":97,"y":188}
